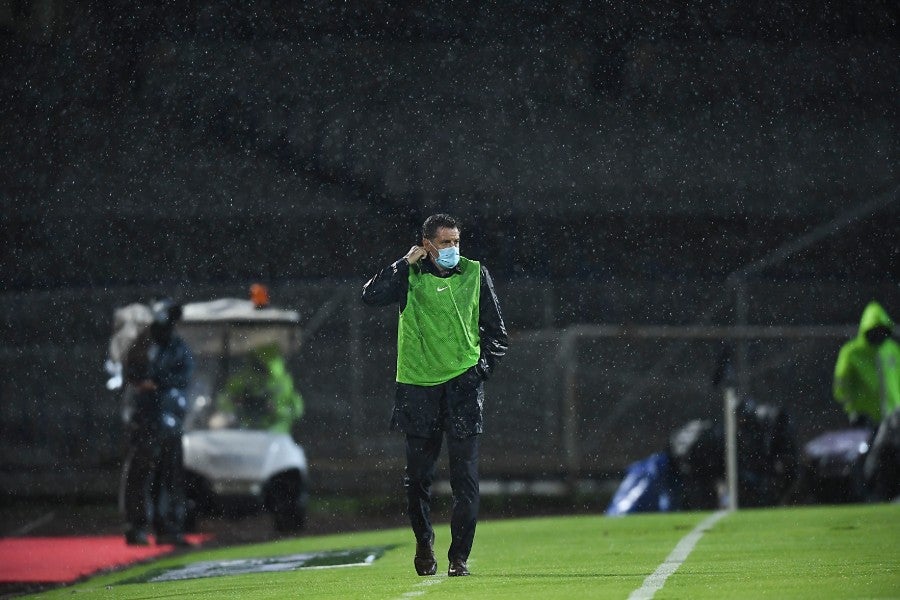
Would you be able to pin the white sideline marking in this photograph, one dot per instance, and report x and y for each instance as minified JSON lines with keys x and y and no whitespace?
{"x":432,"y":580}
{"x":657,"y":579}
{"x":426,"y":583}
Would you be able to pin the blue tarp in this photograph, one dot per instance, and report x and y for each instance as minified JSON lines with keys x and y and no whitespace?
{"x":649,"y":486}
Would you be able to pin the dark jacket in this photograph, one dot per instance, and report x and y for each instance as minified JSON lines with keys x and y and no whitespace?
{"x":391,"y":284}
{"x":170,"y":367}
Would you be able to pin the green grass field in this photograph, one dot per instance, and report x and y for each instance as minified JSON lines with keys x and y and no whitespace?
{"x":809,"y":552}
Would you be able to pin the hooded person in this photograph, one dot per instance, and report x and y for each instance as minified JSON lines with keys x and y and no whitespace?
{"x":867,"y":371}
{"x":261,"y":395}
{"x":157,"y":371}
{"x":867,"y":384}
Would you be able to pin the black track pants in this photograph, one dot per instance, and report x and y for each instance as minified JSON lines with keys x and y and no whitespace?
{"x":153,"y":485}
{"x":421,"y":457}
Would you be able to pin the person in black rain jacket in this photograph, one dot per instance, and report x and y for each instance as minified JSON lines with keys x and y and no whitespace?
{"x":450,"y":337}
{"x":157,"y":369}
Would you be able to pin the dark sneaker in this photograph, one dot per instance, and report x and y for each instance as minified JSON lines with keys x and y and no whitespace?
{"x":458,"y":568}
{"x":424,"y":561}
{"x":172,"y":539}
{"x":136,"y":537}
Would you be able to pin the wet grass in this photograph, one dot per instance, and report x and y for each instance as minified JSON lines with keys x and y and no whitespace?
{"x":808,"y":552}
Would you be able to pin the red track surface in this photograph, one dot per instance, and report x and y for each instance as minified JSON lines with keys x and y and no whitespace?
{"x":65,"y":559}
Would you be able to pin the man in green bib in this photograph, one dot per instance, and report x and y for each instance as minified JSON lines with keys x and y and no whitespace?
{"x":450,"y":337}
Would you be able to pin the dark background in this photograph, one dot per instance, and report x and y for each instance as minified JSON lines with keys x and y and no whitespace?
{"x":612,"y":162}
{"x":216,"y":141}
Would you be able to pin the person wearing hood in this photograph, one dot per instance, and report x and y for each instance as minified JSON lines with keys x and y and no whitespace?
{"x":867,"y":372}
{"x":867,"y":384}
{"x":261,"y":395}
{"x":157,"y":371}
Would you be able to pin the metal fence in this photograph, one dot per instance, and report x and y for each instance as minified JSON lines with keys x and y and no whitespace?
{"x":621,"y":391}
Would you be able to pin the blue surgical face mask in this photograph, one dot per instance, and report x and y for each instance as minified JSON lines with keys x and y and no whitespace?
{"x":447,"y":257}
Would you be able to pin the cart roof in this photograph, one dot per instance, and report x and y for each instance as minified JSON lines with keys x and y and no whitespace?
{"x":202,"y":324}
{"x":235,"y":310}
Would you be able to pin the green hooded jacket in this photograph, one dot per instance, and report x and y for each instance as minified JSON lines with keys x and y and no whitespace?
{"x":867,"y":377}
{"x":263,"y":393}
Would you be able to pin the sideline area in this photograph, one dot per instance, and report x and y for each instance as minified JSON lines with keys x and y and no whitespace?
{"x":679,"y":554}
{"x":67,"y":559}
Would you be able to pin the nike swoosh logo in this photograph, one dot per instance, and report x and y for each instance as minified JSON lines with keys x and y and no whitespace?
{"x":446,"y":287}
